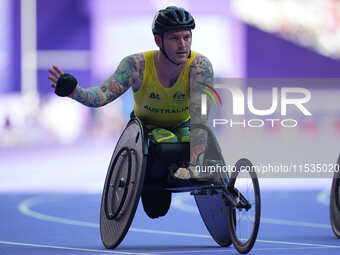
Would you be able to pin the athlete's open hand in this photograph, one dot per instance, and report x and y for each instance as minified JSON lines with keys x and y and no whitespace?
{"x":55,"y":72}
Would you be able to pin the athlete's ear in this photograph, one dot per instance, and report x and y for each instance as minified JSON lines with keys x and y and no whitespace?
{"x":158,"y":40}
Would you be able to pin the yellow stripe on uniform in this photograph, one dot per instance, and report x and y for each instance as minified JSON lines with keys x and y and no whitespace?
{"x":165,"y":138}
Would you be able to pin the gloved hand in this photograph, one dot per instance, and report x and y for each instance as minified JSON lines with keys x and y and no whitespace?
{"x":64,"y":83}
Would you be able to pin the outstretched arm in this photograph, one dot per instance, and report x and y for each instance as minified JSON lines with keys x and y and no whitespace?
{"x":129,"y":73}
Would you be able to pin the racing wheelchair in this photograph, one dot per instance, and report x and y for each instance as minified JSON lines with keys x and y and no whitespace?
{"x":228,"y":201}
{"x":335,"y":201}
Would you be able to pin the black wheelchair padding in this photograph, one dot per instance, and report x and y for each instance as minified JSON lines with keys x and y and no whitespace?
{"x":335,"y":202}
{"x":123,"y":185}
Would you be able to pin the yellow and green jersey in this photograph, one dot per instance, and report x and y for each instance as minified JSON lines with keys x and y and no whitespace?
{"x":158,"y":106}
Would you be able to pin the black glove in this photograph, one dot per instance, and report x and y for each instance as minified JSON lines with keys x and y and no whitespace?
{"x":65,"y":85}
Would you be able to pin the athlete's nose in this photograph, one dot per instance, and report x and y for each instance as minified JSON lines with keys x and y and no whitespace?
{"x":181,"y":43}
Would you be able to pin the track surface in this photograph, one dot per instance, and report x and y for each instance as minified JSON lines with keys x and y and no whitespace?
{"x":48,"y":209}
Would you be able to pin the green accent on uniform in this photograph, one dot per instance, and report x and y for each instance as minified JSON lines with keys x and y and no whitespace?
{"x":183,"y":134}
{"x":179,"y":134}
{"x":161,"y":135}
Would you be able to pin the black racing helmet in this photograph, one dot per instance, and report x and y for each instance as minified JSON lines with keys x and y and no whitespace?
{"x":172,"y":18}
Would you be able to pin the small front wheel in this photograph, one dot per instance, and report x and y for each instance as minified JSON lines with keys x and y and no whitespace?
{"x":335,"y":201}
{"x":244,"y":218}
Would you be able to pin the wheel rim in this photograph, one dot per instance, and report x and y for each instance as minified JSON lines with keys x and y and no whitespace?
{"x":243,"y":224}
{"x":115,"y":194}
{"x":244,"y":217}
{"x":337,"y":194}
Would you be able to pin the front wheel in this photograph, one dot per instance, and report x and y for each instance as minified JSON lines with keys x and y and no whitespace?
{"x":335,"y":202}
{"x":244,"y":218}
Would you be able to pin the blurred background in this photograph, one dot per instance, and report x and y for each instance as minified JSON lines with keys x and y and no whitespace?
{"x":42,"y":134}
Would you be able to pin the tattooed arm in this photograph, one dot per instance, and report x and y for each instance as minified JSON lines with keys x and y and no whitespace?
{"x":201,"y":72}
{"x":129,"y":73}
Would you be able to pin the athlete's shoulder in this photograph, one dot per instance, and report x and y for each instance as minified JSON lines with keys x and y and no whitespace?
{"x":131,"y":68}
{"x":136,"y":60}
{"x":200,"y":60}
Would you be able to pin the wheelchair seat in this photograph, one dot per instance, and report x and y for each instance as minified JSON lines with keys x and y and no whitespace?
{"x":162,"y":156}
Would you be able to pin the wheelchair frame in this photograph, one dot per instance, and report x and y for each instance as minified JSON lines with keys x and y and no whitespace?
{"x":149,"y":179}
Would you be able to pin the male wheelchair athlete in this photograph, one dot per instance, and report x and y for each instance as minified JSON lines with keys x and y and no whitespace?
{"x":335,"y":201}
{"x":228,"y":205}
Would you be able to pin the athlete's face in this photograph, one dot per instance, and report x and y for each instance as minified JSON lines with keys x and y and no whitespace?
{"x":177,"y":45}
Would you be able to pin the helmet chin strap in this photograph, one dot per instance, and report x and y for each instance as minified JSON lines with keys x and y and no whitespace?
{"x":166,"y":55}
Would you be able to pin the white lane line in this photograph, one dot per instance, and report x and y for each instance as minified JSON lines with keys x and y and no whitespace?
{"x":71,"y":248}
{"x":180,"y":204}
{"x":24,"y":208}
{"x":220,"y":249}
{"x":301,"y":244}
{"x":294,"y":223}
{"x":296,"y":248}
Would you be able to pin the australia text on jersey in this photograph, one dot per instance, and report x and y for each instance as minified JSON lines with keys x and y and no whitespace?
{"x":165,"y":111}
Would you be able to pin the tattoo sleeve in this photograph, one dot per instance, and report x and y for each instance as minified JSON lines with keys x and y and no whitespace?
{"x":201,"y":73}
{"x":127,"y":74}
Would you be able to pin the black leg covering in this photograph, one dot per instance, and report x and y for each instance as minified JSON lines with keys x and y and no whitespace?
{"x":156,"y":203}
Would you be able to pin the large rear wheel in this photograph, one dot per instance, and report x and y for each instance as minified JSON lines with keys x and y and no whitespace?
{"x":123,"y":185}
